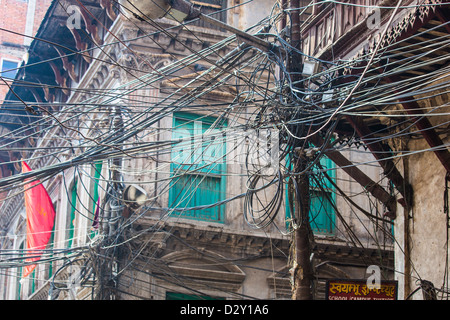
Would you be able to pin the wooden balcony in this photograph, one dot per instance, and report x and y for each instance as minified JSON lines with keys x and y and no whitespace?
{"x":329,"y":23}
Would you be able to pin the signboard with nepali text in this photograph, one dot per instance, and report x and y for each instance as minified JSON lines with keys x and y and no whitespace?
{"x":345,"y":289}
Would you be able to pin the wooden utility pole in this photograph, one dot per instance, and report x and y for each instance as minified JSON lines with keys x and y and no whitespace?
{"x":302,"y":272}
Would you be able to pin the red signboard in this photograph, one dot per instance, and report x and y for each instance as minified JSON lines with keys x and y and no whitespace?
{"x":343,"y":289}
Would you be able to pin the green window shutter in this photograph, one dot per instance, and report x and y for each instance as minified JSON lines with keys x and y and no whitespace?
{"x":192,"y":190}
{"x":322,"y":212}
{"x":51,"y":245}
{"x":95,"y":194}
{"x":198,"y":168}
{"x":32,"y":281}
{"x":322,"y":197}
{"x":97,"y":173}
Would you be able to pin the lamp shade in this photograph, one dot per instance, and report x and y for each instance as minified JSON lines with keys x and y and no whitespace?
{"x":134,"y":196}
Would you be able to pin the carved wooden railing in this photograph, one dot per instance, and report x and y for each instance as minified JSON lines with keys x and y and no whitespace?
{"x":330,"y":21}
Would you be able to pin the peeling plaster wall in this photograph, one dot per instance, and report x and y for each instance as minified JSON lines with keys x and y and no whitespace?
{"x":245,"y":16}
{"x":426,"y":225}
{"x":427,"y":219}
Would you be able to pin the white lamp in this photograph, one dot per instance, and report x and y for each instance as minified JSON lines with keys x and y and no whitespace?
{"x":310,"y":67}
{"x":134,"y":196}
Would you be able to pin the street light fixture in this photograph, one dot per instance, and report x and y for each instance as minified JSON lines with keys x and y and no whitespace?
{"x":134,"y":196}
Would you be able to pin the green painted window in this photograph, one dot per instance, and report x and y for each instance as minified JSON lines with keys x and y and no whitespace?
{"x":32,"y":282}
{"x":97,"y":174}
{"x":95,"y":194}
{"x":322,"y":199}
{"x":50,"y":246}
{"x":72,"y":209}
{"x":198,"y":168}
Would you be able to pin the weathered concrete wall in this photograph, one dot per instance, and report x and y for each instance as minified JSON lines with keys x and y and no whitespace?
{"x":421,"y":233}
{"x":427,"y":223}
{"x":245,"y":16}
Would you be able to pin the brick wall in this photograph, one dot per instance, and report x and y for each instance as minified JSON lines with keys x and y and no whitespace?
{"x":13,"y":14}
{"x":13,"y":17}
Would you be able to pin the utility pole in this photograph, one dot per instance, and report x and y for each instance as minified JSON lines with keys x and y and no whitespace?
{"x":302,"y":272}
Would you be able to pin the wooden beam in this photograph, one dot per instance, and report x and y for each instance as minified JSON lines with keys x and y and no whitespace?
{"x":81,"y":45}
{"x":360,"y":177}
{"x":443,"y":17}
{"x":108,"y":6}
{"x":67,"y":65}
{"x":430,"y":135}
{"x":59,"y":77}
{"x":383,"y":156}
{"x":426,"y":129}
{"x":36,"y":95}
{"x":91,"y":28}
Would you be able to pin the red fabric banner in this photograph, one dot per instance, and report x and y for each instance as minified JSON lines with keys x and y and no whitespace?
{"x":40,"y":219}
